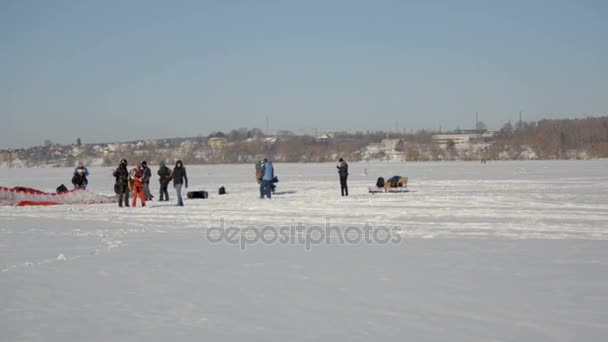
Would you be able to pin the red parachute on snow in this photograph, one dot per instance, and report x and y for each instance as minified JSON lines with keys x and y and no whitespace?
{"x":21,"y":197}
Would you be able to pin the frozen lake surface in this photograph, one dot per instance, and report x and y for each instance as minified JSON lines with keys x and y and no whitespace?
{"x":506,"y":251}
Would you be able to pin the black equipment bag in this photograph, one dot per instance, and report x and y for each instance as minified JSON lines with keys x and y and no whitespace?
{"x":197,"y":194}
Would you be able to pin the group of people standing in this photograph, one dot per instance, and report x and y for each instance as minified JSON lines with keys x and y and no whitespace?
{"x":137,"y":181}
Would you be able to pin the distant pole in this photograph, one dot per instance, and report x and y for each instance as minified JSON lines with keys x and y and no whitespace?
{"x":519,"y":124}
{"x":476,"y":120}
{"x":266,"y":125}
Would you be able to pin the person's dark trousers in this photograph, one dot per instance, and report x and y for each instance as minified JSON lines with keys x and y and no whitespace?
{"x":147,"y":193}
{"x":266,"y":189}
{"x":123,"y":195}
{"x":164,"y":192}
{"x":343,"y":185}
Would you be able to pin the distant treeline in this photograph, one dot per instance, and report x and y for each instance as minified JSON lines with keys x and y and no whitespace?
{"x":546,"y":139}
{"x":555,"y":139}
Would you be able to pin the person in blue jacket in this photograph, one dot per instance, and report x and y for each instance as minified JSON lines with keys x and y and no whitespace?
{"x":267,"y":180}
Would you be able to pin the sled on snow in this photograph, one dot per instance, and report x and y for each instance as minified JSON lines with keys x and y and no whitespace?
{"x":395,"y":184}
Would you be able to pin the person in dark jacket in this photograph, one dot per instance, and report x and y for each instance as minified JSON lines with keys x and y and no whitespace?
{"x":343,"y":172}
{"x":121,"y":187}
{"x":164,"y":176}
{"x":79,"y":178}
{"x":147,"y":174}
{"x":180,"y":178}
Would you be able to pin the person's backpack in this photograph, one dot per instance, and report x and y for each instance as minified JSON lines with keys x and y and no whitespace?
{"x":61,"y":189}
{"x":380,"y":182}
{"x":259,"y":171}
{"x":222,"y":191}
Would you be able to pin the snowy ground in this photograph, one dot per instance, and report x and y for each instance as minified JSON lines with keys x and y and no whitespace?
{"x":507,"y":251}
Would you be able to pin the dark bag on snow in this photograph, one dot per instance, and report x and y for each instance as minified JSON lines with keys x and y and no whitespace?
{"x":222,"y":191}
{"x":61,"y":189}
{"x":380,"y":182}
{"x":197,"y":194}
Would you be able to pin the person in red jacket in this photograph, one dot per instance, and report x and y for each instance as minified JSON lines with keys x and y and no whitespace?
{"x":137,"y":186}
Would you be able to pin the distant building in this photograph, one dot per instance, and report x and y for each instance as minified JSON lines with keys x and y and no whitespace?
{"x":489,"y":135}
{"x":392,"y":148}
{"x":323,"y":138}
{"x":271,"y":140}
{"x":387,"y":149}
{"x":373,"y":148}
{"x":459,"y":139}
{"x":8,"y":156}
{"x":217,"y":143}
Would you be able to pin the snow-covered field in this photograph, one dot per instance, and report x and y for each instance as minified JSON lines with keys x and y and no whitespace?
{"x":507,"y":251}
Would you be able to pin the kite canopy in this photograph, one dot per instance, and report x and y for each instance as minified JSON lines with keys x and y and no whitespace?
{"x":20,"y":196}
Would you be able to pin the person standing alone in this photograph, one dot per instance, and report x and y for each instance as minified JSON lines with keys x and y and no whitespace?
{"x":179,"y":178}
{"x":343,"y":172}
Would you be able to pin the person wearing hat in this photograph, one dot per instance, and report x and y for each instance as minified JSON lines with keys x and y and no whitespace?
{"x":343,"y":172}
{"x":164,"y":176}
{"x":146,"y":180}
{"x":121,"y":187}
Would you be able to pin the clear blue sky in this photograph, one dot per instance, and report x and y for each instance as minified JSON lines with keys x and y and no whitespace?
{"x":121,"y":70}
